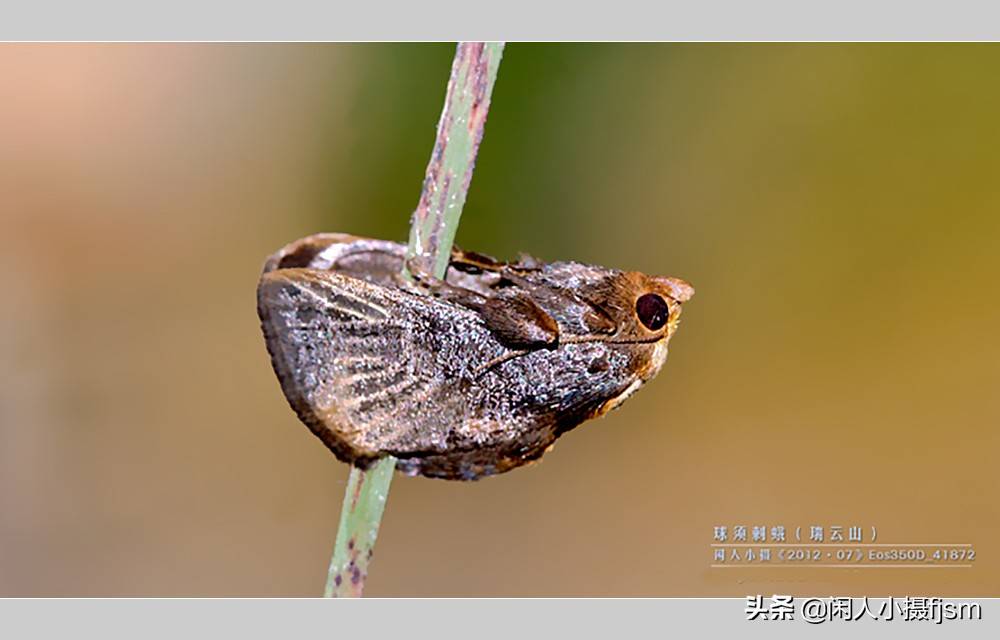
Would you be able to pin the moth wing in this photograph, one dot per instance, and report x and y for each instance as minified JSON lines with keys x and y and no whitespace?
{"x":377,"y":261}
{"x":338,"y":345}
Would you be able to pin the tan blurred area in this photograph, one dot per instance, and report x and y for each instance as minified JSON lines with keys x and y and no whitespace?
{"x":835,"y":206}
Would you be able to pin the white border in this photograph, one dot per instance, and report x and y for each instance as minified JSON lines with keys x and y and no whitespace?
{"x":444,"y":619}
{"x":511,"y":20}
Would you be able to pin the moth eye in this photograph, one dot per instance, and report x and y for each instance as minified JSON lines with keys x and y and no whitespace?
{"x":652,"y":311}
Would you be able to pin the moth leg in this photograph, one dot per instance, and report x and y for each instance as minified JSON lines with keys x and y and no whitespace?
{"x":442,"y":289}
{"x":472,"y":262}
{"x":517,"y":321}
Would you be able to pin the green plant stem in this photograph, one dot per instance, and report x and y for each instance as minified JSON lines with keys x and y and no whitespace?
{"x":449,"y":172}
{"x":360,"y":515}
{"x":432,"y":232}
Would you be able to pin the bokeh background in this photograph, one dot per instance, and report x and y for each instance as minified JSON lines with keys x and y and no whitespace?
{"x":836,"y":207}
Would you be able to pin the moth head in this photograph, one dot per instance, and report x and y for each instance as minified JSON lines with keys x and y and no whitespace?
{"x":646,"y":311}
{"x":643,"y":309}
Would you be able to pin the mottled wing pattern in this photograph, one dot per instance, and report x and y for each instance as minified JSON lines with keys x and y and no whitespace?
{"x":340,"y":347}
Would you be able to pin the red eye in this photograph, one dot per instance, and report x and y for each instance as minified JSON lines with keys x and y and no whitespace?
{"x":652,"y":311}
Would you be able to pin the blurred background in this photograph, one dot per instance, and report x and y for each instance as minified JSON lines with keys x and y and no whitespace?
{"x":835,"y":206}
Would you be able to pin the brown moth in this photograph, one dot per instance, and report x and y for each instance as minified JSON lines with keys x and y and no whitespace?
{"x":459,"y":378}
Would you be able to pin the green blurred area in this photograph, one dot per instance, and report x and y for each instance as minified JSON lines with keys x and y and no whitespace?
{"x":835,"y":207}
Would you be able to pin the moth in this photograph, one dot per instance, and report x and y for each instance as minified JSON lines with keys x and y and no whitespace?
{"x":462,"y":377}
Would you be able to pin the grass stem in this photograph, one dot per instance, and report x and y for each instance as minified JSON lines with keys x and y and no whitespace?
{"x":432,"y":232}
